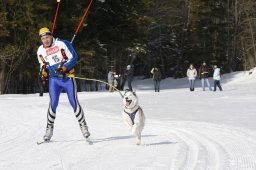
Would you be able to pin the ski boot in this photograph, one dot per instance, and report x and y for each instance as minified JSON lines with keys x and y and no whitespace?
{"x":84,"y":130}
{"x":48,"y":133}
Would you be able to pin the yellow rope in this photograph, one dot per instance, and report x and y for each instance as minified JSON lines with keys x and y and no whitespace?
{"x":81,"y":78}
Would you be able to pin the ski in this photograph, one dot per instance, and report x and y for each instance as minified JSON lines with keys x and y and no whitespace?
{"x":41,"y":142}
{"x":88,"y":140}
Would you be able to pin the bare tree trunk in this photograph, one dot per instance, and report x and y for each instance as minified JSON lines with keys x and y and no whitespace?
{"x":235,"y":34}
{"x":2,"y":77}
{"x":252,"y":37}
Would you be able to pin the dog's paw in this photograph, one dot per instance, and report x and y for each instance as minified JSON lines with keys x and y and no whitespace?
{"x":138,"y":142}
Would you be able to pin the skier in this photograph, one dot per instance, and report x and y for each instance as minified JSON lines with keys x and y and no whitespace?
{"x":60,"y":57}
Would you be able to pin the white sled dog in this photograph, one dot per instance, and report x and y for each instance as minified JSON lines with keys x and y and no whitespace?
{"x":133,"y":115}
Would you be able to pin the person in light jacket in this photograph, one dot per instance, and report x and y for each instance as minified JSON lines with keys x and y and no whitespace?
{"x":191,"y":74}
{"x":111,"y":75}
{"x":216,"y":78}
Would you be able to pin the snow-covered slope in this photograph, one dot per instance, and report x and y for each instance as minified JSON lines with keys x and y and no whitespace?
{"x":184,"y":130}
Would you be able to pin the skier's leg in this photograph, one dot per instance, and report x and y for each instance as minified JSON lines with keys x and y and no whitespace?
{"x":54,"y":92}
{"x":71,"y":89}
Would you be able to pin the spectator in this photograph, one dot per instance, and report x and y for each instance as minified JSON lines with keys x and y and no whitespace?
{"x":191,"y":73}
{"x":157,"y":76}
{"x":111,"y":80}
{"x":216,"y":78}
{"x":203,"y":75}
{"x":129,"y":74}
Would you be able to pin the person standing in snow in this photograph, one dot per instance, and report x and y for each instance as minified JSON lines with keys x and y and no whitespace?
{"x":116,"y":80}
{"x":216,"y":78}
{"x":191,"y":74}
{"x":157,"y":76}
{"x":61,"y":58}
{"x":203,"y":75}
{"x":42,"y":84}
{"x":111,"y":80}
{"x":129,"y":75}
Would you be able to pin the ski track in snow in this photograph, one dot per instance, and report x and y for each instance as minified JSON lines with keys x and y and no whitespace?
{"x":209,"y":146}
{"x":168,"y":143}
{"x":173,"y":145}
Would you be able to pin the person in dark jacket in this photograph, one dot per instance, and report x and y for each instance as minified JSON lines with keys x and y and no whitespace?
{"x":203,"y":75}
{"x":129,"y":75}
{"x":42,"y":82}
{"x":157,"y":76}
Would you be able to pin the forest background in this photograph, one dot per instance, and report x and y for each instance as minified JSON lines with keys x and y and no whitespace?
{"x":169,"y":34}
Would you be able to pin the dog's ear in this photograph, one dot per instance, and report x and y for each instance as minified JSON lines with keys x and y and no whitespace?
{"x":134,"y":93}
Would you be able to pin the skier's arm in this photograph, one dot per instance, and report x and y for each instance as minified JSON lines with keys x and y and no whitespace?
{"x":71,"y":54}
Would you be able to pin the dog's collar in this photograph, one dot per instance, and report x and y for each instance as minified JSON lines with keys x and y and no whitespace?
{"x":132,"y":110}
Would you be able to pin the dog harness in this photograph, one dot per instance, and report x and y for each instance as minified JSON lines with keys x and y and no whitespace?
{"x":132,"y":115}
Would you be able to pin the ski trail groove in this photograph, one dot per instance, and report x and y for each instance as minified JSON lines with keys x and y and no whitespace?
{"x":209,"y":146}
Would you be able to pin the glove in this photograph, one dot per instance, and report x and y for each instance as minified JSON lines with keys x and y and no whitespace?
{"x":44,"y":74}
{"x":60,"y":70}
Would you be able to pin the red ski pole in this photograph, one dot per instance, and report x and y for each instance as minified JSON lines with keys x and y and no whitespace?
{"x":79,"y":25}
{"x":81,"y":21}
{"x":55,"y":17}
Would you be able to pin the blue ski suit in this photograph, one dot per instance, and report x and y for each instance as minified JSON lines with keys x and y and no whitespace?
{"x":58,"y":82}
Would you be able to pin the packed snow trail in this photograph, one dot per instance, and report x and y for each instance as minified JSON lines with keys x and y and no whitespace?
{"x":184,"y":131}
{"x":166,"y":145}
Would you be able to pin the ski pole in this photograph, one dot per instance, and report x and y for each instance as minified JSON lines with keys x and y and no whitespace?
{"x":79,"y":25}
{"x":55,"y":17}
{"x":81,"y":21}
